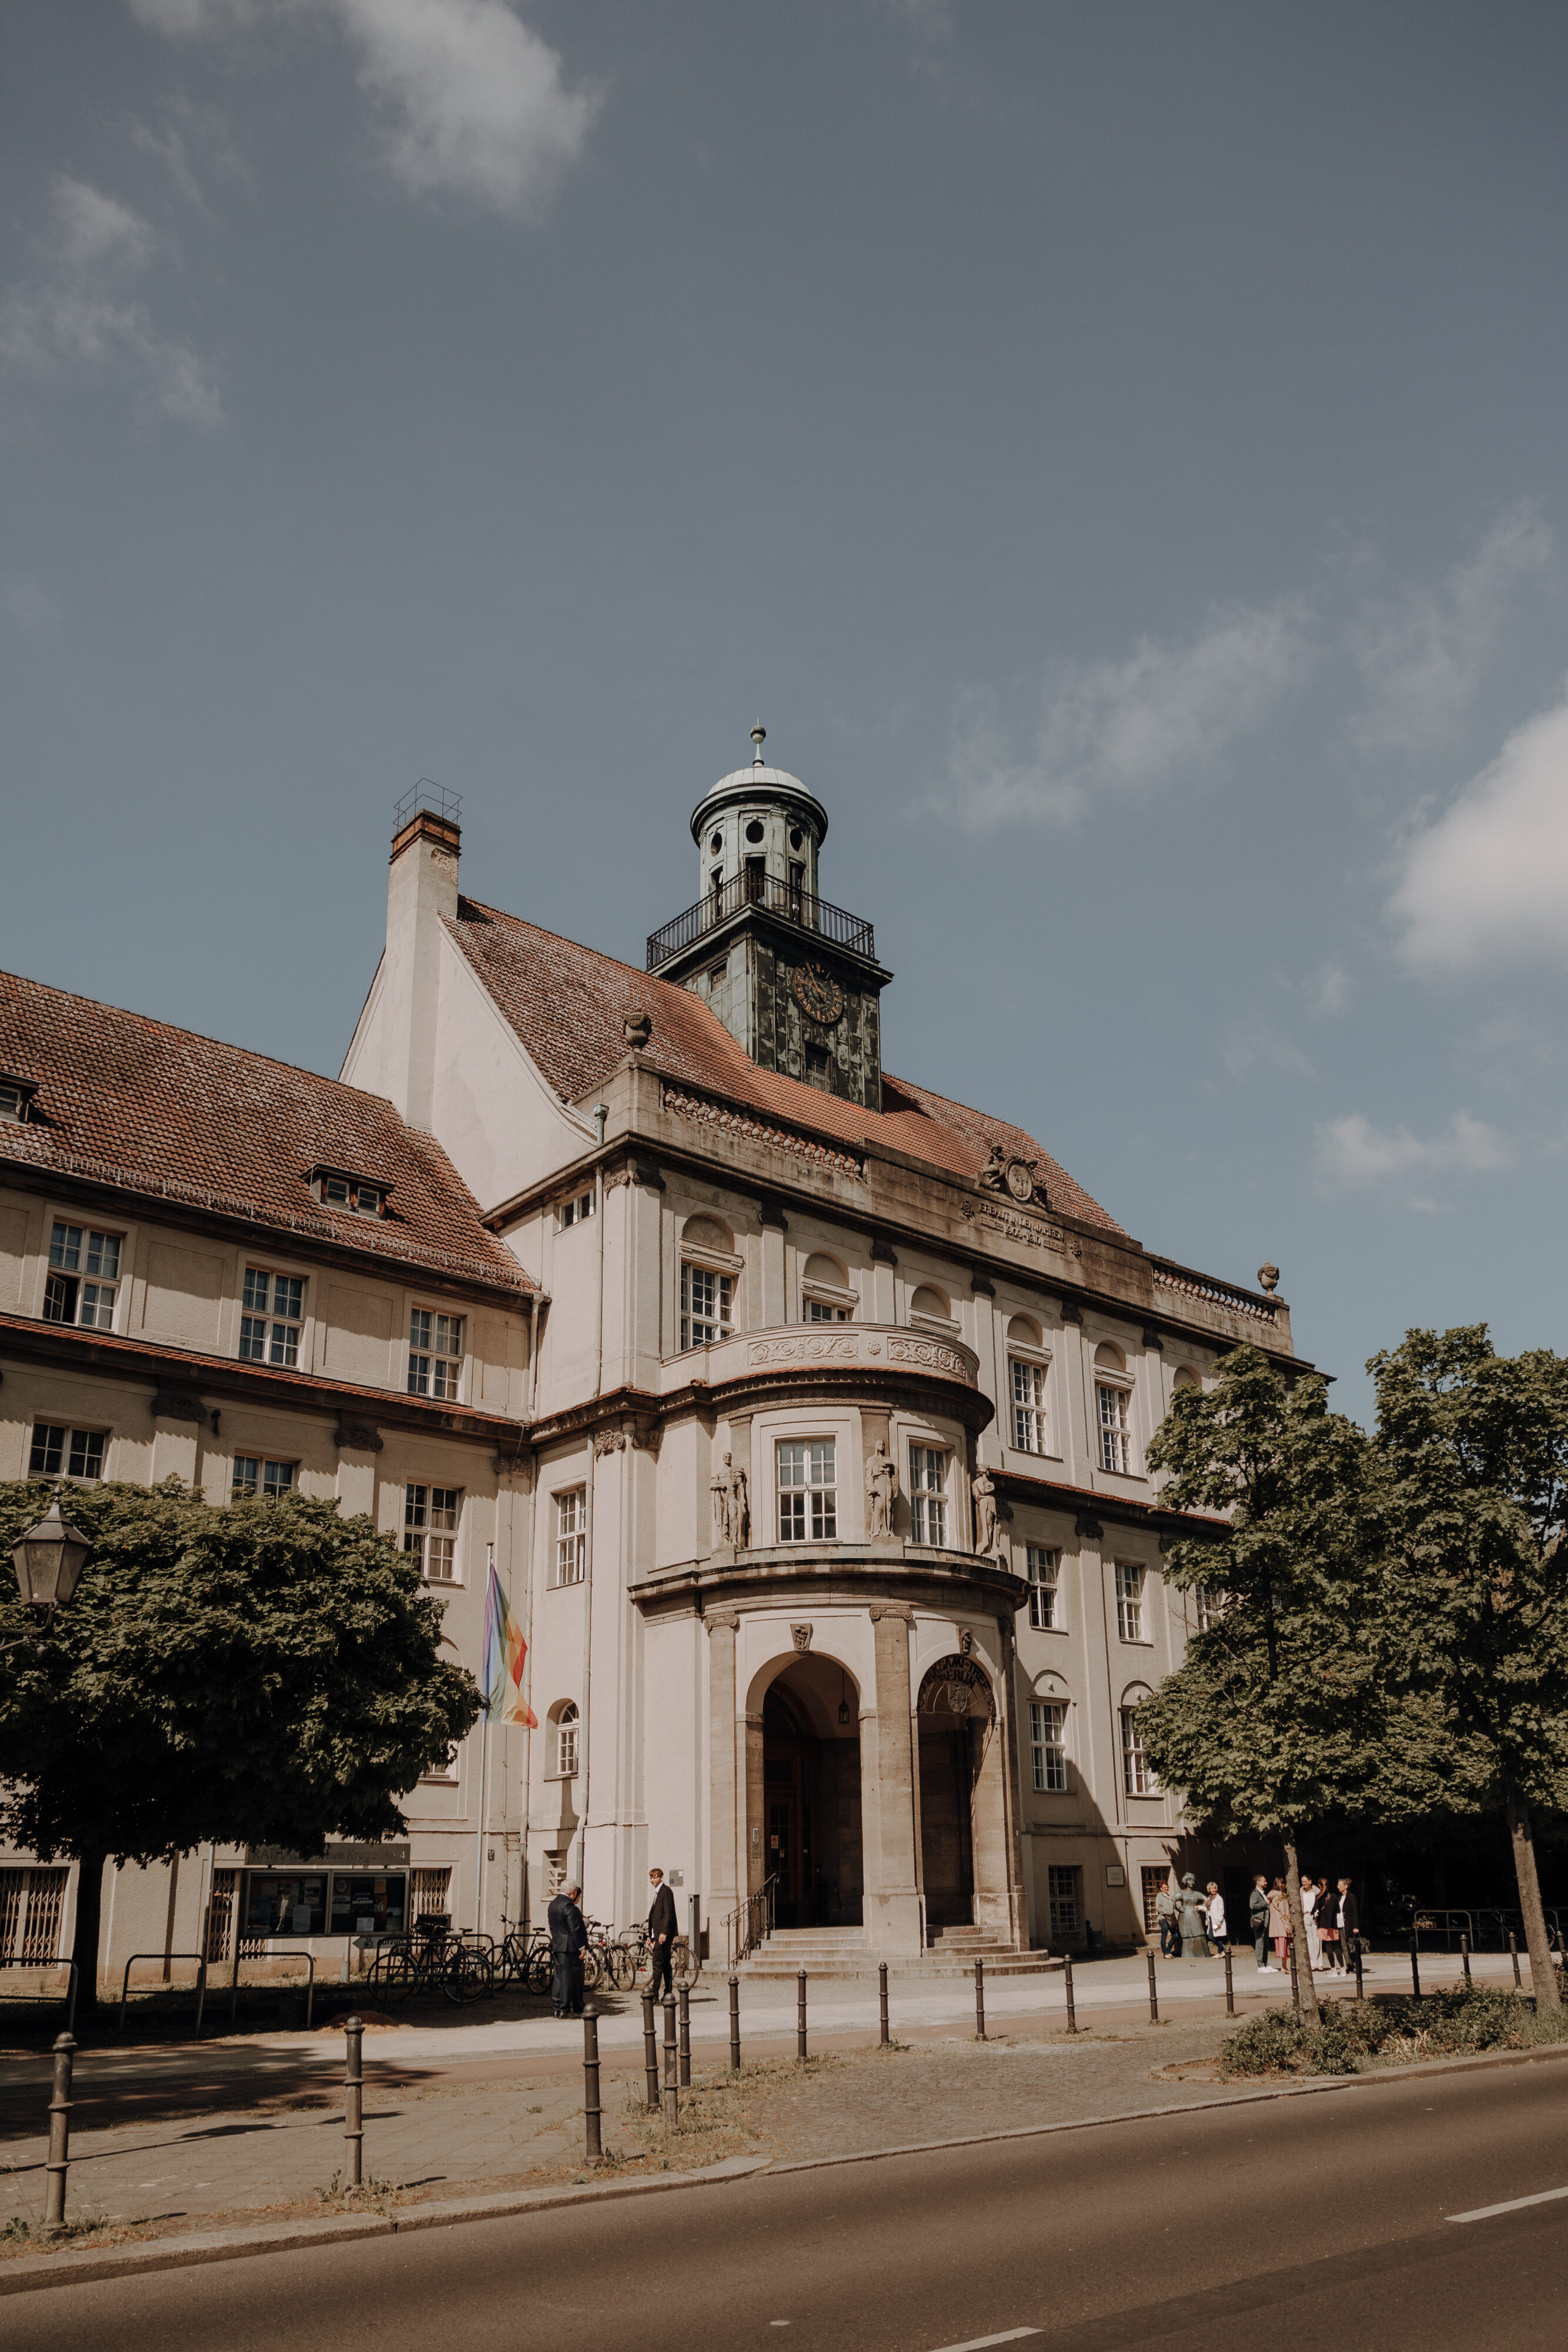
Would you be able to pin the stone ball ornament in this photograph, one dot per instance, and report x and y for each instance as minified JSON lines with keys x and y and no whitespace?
{"x":1269,"y":1275}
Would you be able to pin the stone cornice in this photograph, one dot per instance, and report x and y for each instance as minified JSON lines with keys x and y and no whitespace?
{"x":1124,"y":1510}
{"x":858,"y":1576}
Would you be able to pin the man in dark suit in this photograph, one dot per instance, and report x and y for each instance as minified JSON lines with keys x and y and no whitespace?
{"x":662,"y":1930}
{"x":568,"y":1946}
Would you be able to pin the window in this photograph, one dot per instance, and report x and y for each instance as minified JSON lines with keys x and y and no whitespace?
{"x":79,"y":1452}
{"x":446,"y":1772}
{"x":267,"y":1479}
{"x":429,"y":1531}
{"x":705,"y":1306}
{"x":1048,"y":1745}
{"x":1066,"y":1902}
{"x":429,"y":1892}
{"x":337,"y":1189}
{"x":808,"y":1491}
{"x":928,"y":1494}
{"x":1210,"y":1608}
{"x":84,"y":1272}
{"x":1029,"y":1407}
{"x":571,"y":1535}
{"x":16,"y":1100}
{"x":929,"y":1306}
{"x":1115,"y":1444}
{"x":1136,"y":1778}
{"x":566,"y":1741}
{"x":435,"y":1353}
{"x":817,"y":1066}
{"x":274,"y":1307}
{"x":577,"y":1211}
{"x":1130,"y":1602}
{"x":818,"y":1310}
{"x":1044,"y":1570}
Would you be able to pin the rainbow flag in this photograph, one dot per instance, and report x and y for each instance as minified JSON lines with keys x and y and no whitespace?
{"x":501,"y":1684}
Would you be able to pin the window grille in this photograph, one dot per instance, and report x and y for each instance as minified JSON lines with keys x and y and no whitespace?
{"x":928,"y":1494}
{"x":1063,"y":1886}
{"x":78,"y":1451}
{"x":32,"y":1904}
{"x":1047,"y":1744}
{"x":434,"y":1352}
{"x":571,"y":1535}
{"x":705,"y":1306}
{"x":82,"y":1282}
{"x":429,"y":1893}
{"x":1136,"y":1778}
{"x":267,"y":1479}
{"x":1029,"y":1407}
{"x":1130,"y":1603}
{"x":274,"y":1309}
{"x":808,"y":1491}
{"x":429,"y":1531}
{"x":1044,"y":1571}
{"x":1115,"y":1441}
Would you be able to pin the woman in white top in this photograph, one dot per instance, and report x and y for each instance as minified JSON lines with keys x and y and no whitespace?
{"x":1309,"y":1907}
{"x":1215,"y":1910}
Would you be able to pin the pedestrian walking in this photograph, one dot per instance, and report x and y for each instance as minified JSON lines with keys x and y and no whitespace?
{"x":1349,"y":1923}
{"x":1280,"y":1924}
{"x":1214,"y":1917}
{"x":567,"y":1951}
{"x":1165,"y":1915}
{"x":1310,"y":1921}
{"x":1327,"y":1917}
{"x":1258,"y":1920}
{"x":662,"y":1930}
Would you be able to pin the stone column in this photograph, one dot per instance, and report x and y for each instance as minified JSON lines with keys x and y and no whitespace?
{"x":754,"y":1819}
{"x":887,"y":1766}
{"x":724,"y":1831}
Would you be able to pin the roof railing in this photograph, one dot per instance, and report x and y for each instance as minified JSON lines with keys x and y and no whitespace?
{"x":778,"y":896}
{"x":446,"y":805}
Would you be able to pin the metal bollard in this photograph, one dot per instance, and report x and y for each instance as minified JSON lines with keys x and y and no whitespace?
{"x":979,"y":2000}
{"x":671,"y":2092}
{"x":1359,"y":1988}
{"x":1464,"y":1957}
{"x":1229,"y":1986}
{"x":354,"y":2104}
{"x":800,"y":2021}
{"x":1416,"y":1962}
{"x":1154,"y":1996}
{"x":1513,"y":1955}
{"x":882,"y":1999}
{"x":735,"y":2025}
{"x":650,"y":2054}
{"x":60,"y":2160}
{"x":683,"y":2005}
{"x":1067,"y":1978}
{"x":591,"y":2110}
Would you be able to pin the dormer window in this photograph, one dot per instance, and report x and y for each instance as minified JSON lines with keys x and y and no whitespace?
{"x":340,"y":1188}
{"x":16,"y":1099}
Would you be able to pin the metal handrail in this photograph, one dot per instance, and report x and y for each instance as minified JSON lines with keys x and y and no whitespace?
{"x":201,"y":1960}
{"x":751,"y":1922}
{"x":70,"y":1996}
{"x":778,"y":896}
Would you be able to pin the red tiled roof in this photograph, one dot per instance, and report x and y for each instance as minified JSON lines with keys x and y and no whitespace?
{"x":133,"y":1102}
{"x":569,"y":1004}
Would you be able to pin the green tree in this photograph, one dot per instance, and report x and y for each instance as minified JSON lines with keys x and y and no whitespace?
{"x":1267,"y":1722}
{"x":263,"y":1673}
{"x":1476,"y":1451}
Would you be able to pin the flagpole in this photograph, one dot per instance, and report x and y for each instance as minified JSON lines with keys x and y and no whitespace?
{"x":484,"y":1758}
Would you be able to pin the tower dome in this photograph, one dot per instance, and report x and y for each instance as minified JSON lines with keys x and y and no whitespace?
{"x":759,"y":822}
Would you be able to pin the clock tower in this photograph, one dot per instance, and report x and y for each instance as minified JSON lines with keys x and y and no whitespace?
{"x":794,"y":979}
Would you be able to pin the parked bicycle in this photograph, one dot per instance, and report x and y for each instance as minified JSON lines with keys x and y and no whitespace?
{"x":432,"y":1960}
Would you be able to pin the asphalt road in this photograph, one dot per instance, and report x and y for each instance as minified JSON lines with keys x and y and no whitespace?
{"x":1324,"y":2218}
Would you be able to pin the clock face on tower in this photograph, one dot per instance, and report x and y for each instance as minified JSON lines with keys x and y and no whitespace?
{"x":818,"y":994}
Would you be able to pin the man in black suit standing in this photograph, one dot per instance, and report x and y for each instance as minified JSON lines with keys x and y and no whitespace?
{"x":568,"y":1946}
{"x":662,"y":1930}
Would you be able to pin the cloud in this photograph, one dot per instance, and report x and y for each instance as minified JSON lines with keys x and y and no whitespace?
{"x":1421,"y":660}
{"x":75,"y":314}
{"x":1123,"y":729}
{"x":1353,"y":1156}
{"x":1330,"y":989}
{"x":192,"y":139}
{"x":1485,"y":885}
{"x":469,"y":98}
{"x":1252,"y":1039}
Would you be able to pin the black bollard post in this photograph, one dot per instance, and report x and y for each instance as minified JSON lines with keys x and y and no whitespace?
{"x":979,"y":2000}
{"x":60,"y":2160}
{"x":671,"y":2092}
{"x":354,"y":2104}
{"x":735,"y":2025}
{"x":1513,"y":1955}
{"x":1067,"y":1978}
{"x":684,"y":2000}
{"x":650,"y":2055}
{"x":881,"y":2000}
{"x":1229,"y":1986}
{"x":590,"y":2111}
{"x":1464,"y":1957}
{"x":1359,"y":1988}
{"x":1416,"y":1962}
{"x":800,"y":2021}
{"x":1154,"y":1996}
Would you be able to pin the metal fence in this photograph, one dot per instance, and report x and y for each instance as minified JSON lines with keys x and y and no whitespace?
{"x":751,"y":888}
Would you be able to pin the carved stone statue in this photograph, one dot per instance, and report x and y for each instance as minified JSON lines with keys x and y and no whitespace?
{"x":993,"y":1175}
{"x":983,"y":1488}
{"x":718,"y":1487}
{"x":881,"y":1488}
{"x":739,"y":1507}
{"x":1193,"y":1925}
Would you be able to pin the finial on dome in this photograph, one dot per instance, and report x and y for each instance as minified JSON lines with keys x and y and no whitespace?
{"x":759,"y":736}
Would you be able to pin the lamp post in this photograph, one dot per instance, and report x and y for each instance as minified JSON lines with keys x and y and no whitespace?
{"x":49,"y":1559}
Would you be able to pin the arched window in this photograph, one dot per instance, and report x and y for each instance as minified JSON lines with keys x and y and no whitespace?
{"x":708,"y":1268}
{"x":565,"y":1719}
{"x":1186,"y":1378}
{"x":1138,"y":1778}
{"x":929,"y":1305}
{"x":1047,"y":1738}
{"x":826,"y":1294}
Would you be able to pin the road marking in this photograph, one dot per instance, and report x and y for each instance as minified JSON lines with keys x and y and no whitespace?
{"x":1514,"y":2205}
{"x":978,"y":2343}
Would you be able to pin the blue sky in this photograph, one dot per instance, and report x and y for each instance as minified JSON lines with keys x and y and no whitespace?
{"x":1118,"y":450}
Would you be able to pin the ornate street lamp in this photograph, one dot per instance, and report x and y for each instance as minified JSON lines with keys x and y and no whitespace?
{"x":49,"y":1559}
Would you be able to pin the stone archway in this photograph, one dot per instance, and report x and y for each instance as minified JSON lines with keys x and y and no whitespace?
{"x":960,"y":1789}
{"x":804,"y":1793}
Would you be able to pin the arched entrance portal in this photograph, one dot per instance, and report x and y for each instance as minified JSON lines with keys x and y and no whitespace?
{"x":956,"y":1715}
{"x":811,"y":1794}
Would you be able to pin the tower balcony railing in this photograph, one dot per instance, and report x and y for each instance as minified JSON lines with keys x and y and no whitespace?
{"x":752,"y":888}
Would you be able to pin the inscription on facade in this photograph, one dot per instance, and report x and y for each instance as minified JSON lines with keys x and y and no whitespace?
{"x":1014,"y":1226}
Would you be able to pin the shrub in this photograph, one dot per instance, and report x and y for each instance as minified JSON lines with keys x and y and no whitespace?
{"x":1356,"y":2035}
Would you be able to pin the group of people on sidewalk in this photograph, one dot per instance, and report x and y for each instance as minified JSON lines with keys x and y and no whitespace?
{"x":1330,"y":1913}
{"x":569,"y":1942}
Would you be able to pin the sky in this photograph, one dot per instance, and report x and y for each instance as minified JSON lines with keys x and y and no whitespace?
{"x":1117,"y":451}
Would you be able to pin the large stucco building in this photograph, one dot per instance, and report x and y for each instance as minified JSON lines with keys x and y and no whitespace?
{"x":805,"y":1409}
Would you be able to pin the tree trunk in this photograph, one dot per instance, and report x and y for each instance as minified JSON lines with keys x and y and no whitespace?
{"x":88,"y":1929}
{"x":1543,"y":1975}
{"x":1304,"y":1979}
